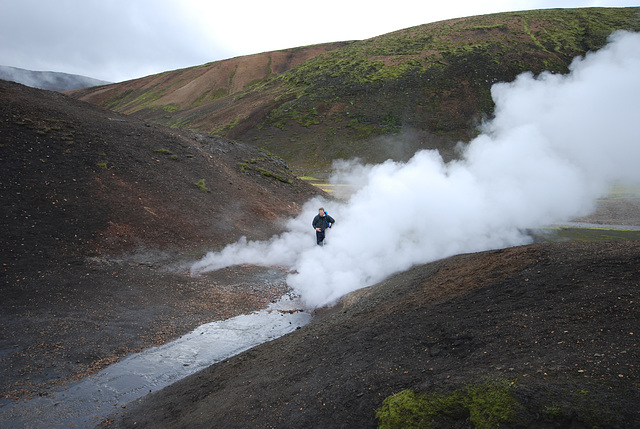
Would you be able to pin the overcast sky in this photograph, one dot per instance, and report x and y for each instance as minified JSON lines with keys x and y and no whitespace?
{"x":117,"y":40}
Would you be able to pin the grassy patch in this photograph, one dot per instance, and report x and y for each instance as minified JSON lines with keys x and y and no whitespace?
{"x":273,"y":175}
{"x":486,"y":405}
{"x":171,"y":108}
{"x":243,"y":167}
{"x":202,"y":186}
{"x":560,"y":234}
{"x":24,"y":121}
{"x":220,"y":130}
{"x":163,"y":151}
{"x":623,"y":192}
{"x":102,"y":164}
{"x":248,"y":166}
{"x":147,"y":98}
{"x":211,"y":95}
{"x":232,"y":75}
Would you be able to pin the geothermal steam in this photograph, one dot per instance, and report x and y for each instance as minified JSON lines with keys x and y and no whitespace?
{"x":557,"y":143}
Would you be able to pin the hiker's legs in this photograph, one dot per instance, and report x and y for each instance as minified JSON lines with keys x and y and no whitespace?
{"x":319,"y":237}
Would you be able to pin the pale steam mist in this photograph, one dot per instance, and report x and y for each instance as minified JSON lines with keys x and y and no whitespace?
{"x":52,"y":81}
{"x":557,"y":143}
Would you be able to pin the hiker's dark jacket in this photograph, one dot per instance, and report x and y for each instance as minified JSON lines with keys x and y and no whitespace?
{"x":322,"y":222}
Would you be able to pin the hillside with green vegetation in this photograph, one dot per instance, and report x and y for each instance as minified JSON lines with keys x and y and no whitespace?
{"x":385,"y":97}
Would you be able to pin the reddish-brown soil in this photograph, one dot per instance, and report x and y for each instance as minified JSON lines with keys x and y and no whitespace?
{"x":197,"y":85}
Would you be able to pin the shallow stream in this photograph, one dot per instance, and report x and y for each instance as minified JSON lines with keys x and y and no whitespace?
{"x":87,"y":402}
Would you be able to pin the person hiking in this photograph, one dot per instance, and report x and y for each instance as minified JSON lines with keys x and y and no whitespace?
{"x":320,"y":223}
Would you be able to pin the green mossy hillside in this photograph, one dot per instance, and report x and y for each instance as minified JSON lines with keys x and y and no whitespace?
{"x":425,"y":87}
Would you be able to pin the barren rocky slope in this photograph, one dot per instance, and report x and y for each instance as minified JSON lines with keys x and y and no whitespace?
{"x":94,"y":206}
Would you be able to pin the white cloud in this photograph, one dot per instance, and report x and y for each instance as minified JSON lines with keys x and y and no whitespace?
{"x":110,"y":40}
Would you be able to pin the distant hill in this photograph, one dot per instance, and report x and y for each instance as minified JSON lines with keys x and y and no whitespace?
{"x":426,"y":86}
{"x":52,"y":81}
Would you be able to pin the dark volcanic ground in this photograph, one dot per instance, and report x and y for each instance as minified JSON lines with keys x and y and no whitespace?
{"x":94,"y":209}
{"x":559,"y":320}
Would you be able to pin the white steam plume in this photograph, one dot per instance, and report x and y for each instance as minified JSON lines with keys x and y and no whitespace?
{"x":557,"y":143}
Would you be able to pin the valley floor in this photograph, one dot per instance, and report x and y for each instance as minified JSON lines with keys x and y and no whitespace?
{"x":557,"y":320}
{"x":556,"y":317}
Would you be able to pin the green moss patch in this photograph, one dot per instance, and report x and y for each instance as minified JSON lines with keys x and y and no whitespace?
{"x":171,"y":108}
{"x":251,"y":166}
{"x":202,"y":186}
{"x":273,"y":175}
{"x":486,"y":405}
{"x":509,"y":403}
{"x":560,"y":234}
